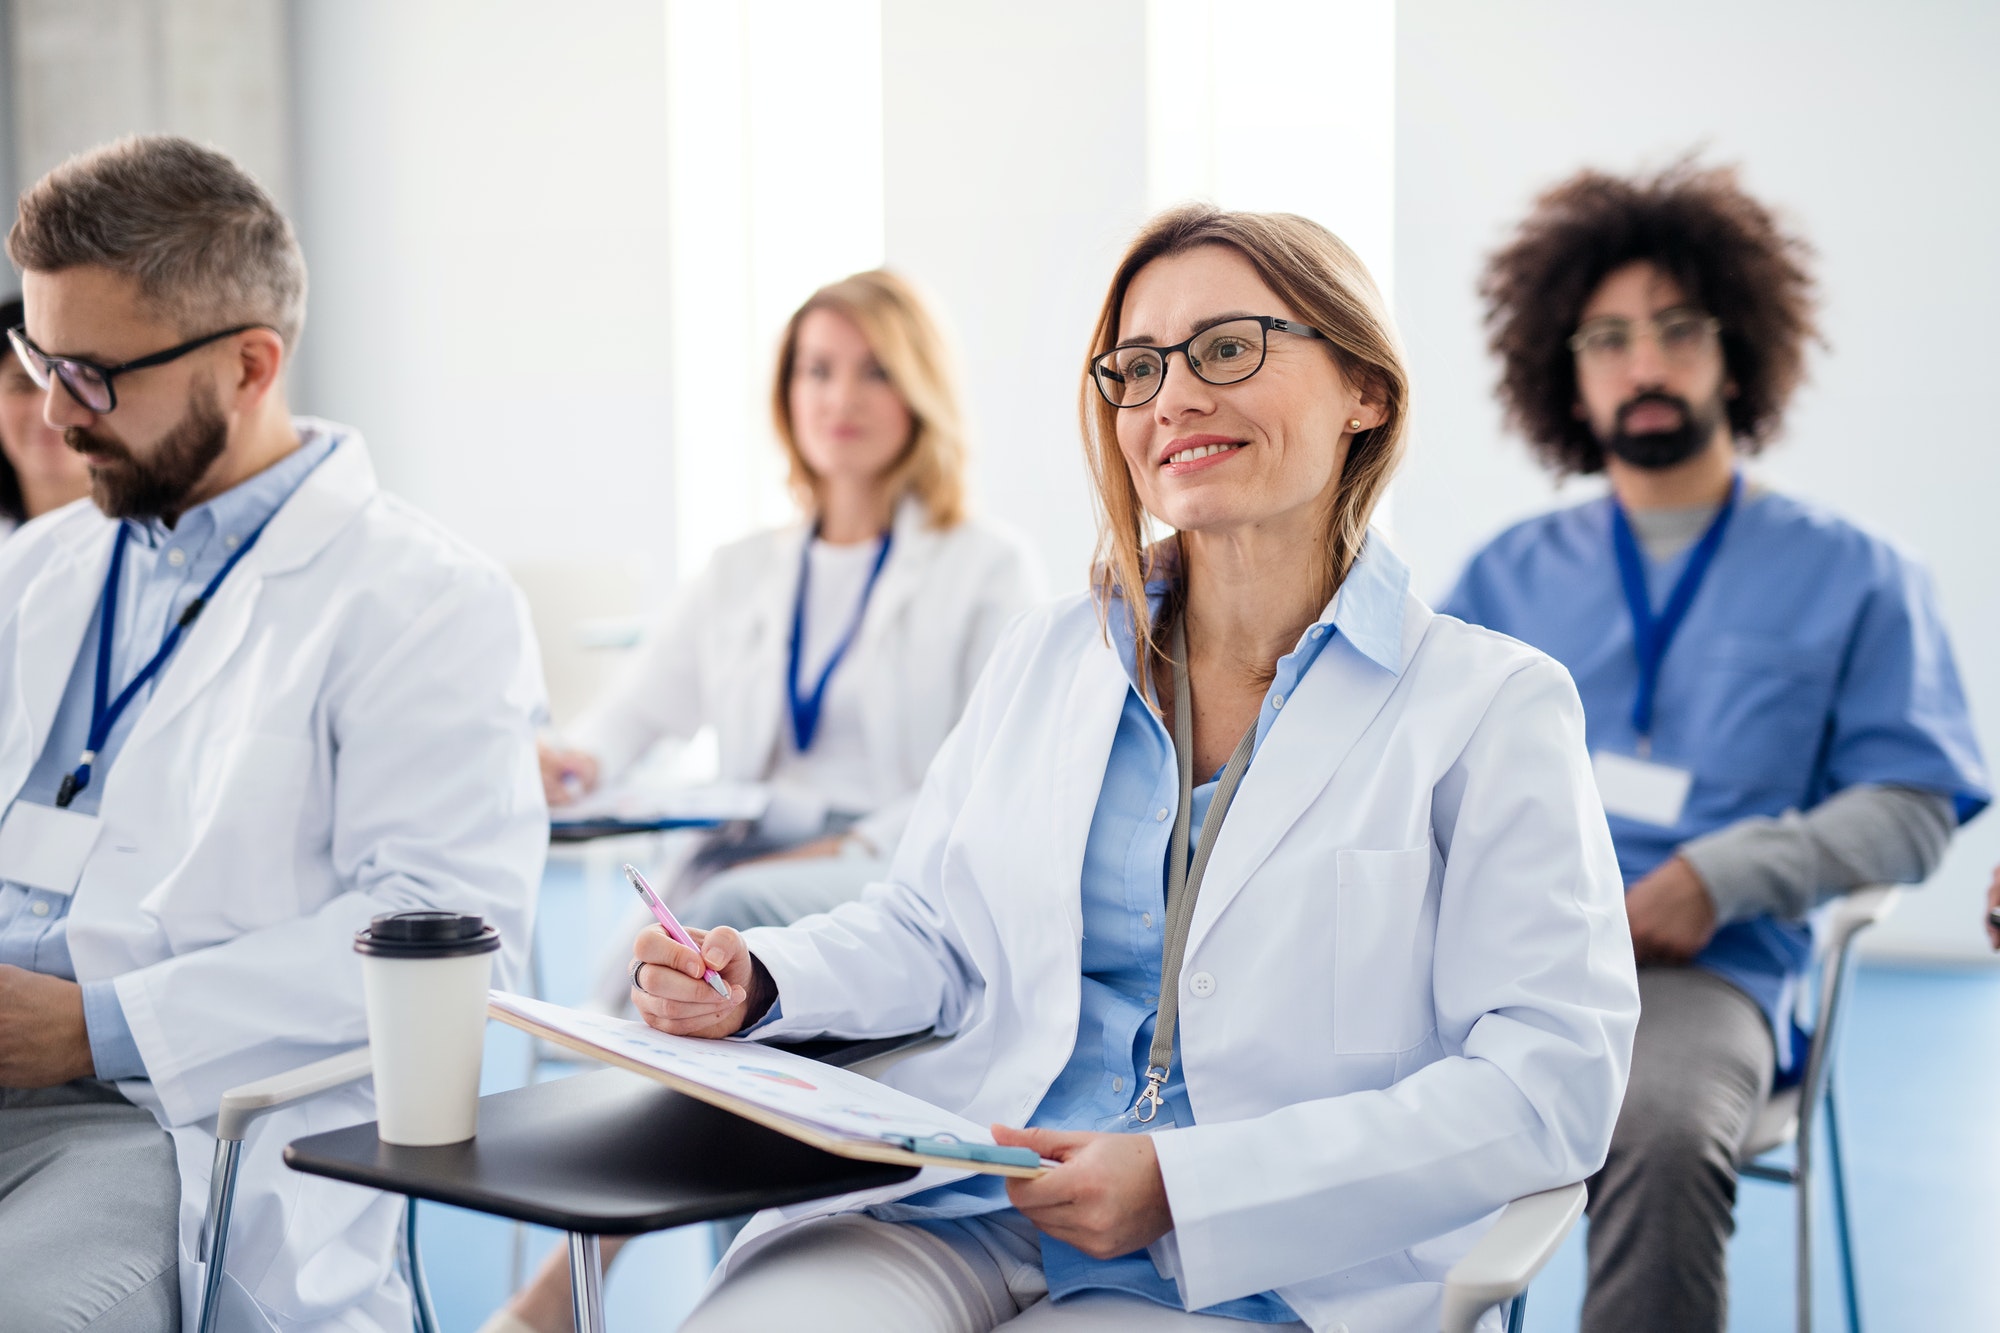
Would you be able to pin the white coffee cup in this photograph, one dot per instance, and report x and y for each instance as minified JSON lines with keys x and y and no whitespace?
{"x":425,"y":975}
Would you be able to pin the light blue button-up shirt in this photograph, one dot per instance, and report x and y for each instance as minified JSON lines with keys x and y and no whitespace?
{"x":165,"y":569}
{"x":1124,"y":923}
{"x":1813,"y":658}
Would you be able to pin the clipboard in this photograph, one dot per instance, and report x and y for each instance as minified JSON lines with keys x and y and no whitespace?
{"x":945,"y":1150}
{"x":654,"y":809}
{"x":587,"y":830}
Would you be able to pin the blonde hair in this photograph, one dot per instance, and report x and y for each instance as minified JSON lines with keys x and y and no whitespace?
{"x":912,"y":352}
{"x":1312,"y":271}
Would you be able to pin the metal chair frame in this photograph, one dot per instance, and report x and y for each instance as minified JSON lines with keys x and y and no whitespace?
{"x":242,"y":1107}
{"x":1499,"y":1268}
{"x":1788,"y":1116}
{"x":1496,"y":1271}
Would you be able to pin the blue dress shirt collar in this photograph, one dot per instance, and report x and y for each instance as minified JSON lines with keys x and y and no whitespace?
{"x":1367,"y":609}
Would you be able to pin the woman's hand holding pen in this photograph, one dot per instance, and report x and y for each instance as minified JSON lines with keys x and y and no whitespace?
{"x":671,"y":995}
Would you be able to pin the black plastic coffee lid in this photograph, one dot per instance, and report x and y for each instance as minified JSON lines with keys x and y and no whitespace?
{"x":426,"y":935}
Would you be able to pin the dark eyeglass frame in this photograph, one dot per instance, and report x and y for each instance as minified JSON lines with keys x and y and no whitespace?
{"x":45,"y":369}
{"x":1101,"y":369}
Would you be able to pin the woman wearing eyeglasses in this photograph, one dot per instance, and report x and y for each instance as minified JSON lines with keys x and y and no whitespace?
{"x":38,"y":472}
{"x":830,"y":656}
{"x":1280,"y":912}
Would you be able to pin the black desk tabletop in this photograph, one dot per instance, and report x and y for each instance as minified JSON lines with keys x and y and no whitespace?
{"x":606,"y":1153}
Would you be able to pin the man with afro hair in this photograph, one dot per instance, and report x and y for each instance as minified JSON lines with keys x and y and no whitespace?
{"x":1772,"y":705}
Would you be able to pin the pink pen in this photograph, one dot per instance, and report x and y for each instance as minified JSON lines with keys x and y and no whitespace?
{"x":671,"y":926}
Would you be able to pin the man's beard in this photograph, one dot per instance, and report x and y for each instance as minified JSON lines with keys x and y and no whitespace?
{"x":124,"y":487}
{"x":1655,"y":451}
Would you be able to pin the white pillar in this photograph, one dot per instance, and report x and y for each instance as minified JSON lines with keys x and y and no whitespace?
{"x":1009,"y":199}
{"x":774,"y":168}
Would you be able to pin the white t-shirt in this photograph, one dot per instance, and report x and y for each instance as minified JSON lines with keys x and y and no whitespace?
{"x":835,"y":769}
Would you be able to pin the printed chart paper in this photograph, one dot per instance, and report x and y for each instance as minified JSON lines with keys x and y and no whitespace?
{"x":836,"y":1100}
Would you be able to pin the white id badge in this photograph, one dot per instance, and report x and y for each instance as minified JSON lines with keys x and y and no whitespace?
{"x":45,"y":848}
{"x":1640,"y":789}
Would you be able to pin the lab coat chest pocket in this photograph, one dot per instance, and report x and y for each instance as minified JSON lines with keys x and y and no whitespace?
{"x":249,"y":848}
{"x":1384,"y":934}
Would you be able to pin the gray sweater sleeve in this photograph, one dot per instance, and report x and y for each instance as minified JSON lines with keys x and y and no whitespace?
{"x":1787,"y":866}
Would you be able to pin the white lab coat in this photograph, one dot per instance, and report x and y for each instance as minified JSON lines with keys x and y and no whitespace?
{"x":719,"y":655}
{"x":347,"y":731}
{"x":1408,"y":994}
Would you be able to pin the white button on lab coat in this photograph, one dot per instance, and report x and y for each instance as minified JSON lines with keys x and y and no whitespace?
{"x":348,"y":730}
{"x":1414,"y":900}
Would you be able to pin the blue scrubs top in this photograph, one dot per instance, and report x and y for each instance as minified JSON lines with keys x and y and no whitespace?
{"x":1812,"y":659}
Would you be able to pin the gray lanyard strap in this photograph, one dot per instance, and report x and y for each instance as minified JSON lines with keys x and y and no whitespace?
{"x":1183,"y":877}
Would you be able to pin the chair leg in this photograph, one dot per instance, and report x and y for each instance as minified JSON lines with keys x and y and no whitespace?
{"x":424,"y":1310}
{"x":1837,"y":1173}
{"x":586,"y":1283}
{"x":1517,"y":1314}
{"x":215,"y":1238}
{"x":1803,"y":1203}
{"x":517,"y":1246}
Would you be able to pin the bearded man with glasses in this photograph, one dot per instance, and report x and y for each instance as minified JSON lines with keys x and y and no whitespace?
{"x":250,"y":703}
{"x":1771,"y":700}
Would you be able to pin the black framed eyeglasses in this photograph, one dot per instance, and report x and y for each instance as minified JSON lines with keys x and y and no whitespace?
{"x":1226,"y":352}
{"x":91,"y":384}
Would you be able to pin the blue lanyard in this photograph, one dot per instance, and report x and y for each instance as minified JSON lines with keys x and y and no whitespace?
{"x":805,"y":708}
{"x":105,"y":711}
{"x":1652,"y":634}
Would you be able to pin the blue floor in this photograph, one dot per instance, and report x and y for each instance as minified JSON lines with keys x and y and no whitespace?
{"x":1919,"y":1093}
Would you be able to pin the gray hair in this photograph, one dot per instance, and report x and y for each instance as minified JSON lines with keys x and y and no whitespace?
{"x":194,"y":229}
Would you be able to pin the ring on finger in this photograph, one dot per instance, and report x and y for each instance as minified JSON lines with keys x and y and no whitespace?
{"x":638,"y":963}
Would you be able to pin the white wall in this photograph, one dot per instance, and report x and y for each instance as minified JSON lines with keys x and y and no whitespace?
{"x":83,"y":72}
{"x":482,"y":200}
{"x":1871,"y":128}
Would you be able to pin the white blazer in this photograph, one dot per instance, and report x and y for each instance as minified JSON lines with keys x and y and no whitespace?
{"x":347,"y":731}
{"x":719,"y":655}
{"x":1408,"y":994}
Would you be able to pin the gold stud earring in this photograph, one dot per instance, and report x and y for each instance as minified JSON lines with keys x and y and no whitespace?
{"x":1354,"y":424}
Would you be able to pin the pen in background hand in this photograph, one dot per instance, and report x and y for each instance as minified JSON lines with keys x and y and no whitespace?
{"x":673,"y":927}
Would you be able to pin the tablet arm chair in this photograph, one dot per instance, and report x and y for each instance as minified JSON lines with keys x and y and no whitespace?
{"x":243,"y":1106}
{"x":1496,"y":1271}
{"x":1499,"y":1268}
{"x":1788,"y":1115}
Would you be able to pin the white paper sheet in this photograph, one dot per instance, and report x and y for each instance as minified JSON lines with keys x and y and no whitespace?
{"x":833,"y":1099}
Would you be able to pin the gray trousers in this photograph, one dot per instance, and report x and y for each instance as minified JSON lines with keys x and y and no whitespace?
{"x":89,"y":1197}
{"x":1662,"y":1209}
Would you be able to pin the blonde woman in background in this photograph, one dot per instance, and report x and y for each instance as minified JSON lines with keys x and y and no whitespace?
{"x":831,"y":656}
{"x":38,"y":471}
